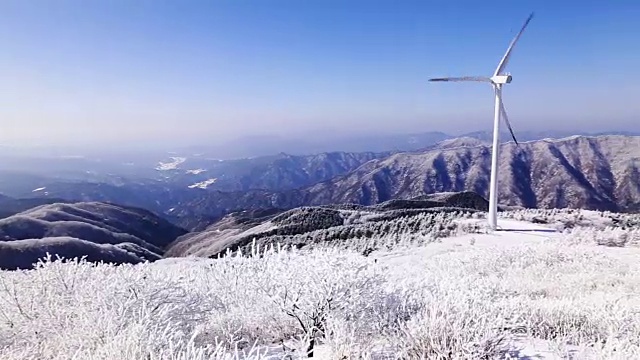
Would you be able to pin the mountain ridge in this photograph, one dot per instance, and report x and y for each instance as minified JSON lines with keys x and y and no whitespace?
{"x":601,"y":170}
{"x":103,"y":231}
{"x":309,"y":225}
{"x":591,"y":172}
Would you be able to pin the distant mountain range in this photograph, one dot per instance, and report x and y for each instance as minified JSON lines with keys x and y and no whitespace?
{"x":11,"y":206}
{"x":598,"y":172}
{"x":134,"y":217}
{"x":277,"y":172}
{"x":579,"y":172}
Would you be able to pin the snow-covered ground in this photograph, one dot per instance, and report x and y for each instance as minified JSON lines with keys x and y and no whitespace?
{"x":512,"y":233}
{"x":171,"y":165}
{"x":203,"y":184}
{"x":525,"y":292}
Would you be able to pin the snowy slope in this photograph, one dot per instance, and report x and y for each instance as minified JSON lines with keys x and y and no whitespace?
{"x":580,"y":172}
{"x":525,"y":293}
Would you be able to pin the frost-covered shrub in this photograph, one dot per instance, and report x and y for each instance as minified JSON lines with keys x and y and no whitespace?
{"x":461,"y":302}
{"x":608,"y":236}
{"x":572,"y":295}
{"x":373,"y":231}
{"x":452,"y":326}
{"x":565,"y":219}
{"x":200,"y":306}
{"x":585,"y":226}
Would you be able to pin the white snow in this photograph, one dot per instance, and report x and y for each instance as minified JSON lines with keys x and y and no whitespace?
{"x":452,"y":294}
{"x":517,"y":233}
{"x":172,"y":165}
{"x":511,"y":233}
{"x":196,"y":171}
{"x":203,"y":184}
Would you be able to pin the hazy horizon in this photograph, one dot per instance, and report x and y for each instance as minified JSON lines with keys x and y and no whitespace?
{"x":192,"y":72}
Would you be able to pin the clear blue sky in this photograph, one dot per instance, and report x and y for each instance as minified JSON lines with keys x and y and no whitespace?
{"x":148,"y":71}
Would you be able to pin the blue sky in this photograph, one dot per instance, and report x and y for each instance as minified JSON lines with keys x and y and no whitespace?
{"x":152,"y":71}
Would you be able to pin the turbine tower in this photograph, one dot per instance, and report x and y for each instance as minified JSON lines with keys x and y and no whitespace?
{"x":498,"y":79}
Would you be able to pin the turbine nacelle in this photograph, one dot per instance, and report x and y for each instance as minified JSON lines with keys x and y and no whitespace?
{"x":501,"y":79}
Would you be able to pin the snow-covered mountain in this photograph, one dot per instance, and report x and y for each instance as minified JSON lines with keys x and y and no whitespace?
{"x":100,"y":231}
{"x":278,"y":172}
{"x":600,"y":172}
{"x":331,"y":224}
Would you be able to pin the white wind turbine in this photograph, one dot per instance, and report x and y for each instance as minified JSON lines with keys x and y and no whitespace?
{"x":498,"y":79}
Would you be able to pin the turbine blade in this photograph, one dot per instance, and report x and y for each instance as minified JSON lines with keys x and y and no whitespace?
{"x":505,"y":59}
{"x":506,"y":120}
{"x":463,"y":78}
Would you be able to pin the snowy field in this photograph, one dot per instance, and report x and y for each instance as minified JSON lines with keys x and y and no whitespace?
{"x":526,"y":292}
{"x":171,"y":165}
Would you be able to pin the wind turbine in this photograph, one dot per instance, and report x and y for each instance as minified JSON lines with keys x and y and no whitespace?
{"x":498,"y":79}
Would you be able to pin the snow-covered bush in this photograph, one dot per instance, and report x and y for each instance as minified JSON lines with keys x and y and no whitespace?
{"x":465,"y":302}
{"x":362,"y":230}
{"x":585,"y":226}
{"x":608,"y":236}
{"x":200,"y":306}
{"x":566,"y":219}
{"x":452,"y":325}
